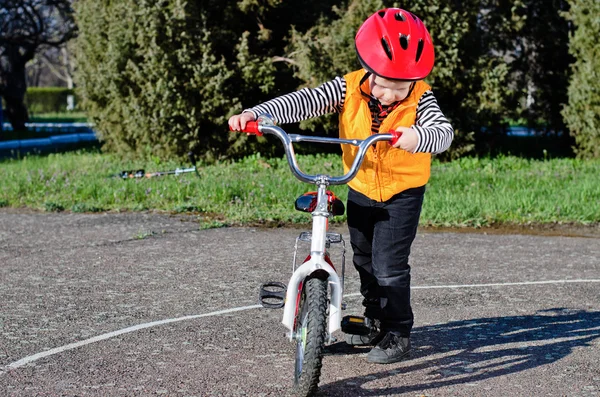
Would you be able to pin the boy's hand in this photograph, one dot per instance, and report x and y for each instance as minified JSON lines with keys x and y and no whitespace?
{"x":238,"y":122}
{"x":409,"y":139}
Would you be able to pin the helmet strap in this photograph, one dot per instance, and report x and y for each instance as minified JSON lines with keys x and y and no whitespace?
{"x":374,"y":105}
{"x":379,"y":111}
{"x":412,"y":87}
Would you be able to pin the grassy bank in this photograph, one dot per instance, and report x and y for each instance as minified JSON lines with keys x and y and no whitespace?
{"x":467,"y":192}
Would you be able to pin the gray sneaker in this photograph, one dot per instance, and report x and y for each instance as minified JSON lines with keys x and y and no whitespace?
{"x":392,"y":348}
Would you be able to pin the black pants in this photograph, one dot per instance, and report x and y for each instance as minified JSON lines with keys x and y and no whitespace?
{"x":381,"y":234}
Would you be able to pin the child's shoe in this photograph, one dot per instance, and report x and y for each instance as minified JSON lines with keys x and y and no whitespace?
{"x":392,"y":348}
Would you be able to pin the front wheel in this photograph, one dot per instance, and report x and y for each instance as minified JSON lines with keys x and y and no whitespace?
{"x":311,"y":322}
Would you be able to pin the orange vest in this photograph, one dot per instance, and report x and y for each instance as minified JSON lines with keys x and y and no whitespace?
{"x":385,"y":171}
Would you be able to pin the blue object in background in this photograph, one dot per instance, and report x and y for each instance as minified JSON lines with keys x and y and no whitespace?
{"x":63,"y":136}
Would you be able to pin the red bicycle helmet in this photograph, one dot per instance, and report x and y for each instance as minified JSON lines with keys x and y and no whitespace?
{"x":395,"y":44}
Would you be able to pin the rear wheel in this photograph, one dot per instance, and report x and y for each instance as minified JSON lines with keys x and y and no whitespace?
{"x":310,"y":333}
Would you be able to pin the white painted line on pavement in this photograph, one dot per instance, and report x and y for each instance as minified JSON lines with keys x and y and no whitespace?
{"x":499,"y":284}
{"x":29,"y":359}
{"x":70,"y":346}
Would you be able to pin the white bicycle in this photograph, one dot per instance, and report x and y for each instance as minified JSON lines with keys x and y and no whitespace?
{"x":312,"y":300}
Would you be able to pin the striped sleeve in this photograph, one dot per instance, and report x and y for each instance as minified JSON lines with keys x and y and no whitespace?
{"x":433,"y":129}
{"x":305,"y":103}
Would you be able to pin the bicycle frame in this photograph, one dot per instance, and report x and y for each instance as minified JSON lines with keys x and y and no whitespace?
{"x":320,"y":216}
{"x":316,"y":262}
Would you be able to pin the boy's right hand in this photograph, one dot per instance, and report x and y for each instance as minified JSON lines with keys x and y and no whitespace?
{"x":238,"y":122}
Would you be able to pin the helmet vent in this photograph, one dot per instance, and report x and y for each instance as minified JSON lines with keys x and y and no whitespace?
{"x":386,"y":47}
{"x":419,"y":49}
{"x":400,"y":17}
{"x":381,"y":13}
{"x":403,"y":41}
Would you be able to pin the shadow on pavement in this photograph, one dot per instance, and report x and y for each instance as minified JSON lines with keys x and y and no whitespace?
{"x":474,"y":350}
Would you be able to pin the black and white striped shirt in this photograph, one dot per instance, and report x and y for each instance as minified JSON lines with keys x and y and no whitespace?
{"x":433,"y":129}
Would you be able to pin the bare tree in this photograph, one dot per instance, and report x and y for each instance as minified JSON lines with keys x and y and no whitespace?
{"x":26,"y":26}
{"x":51,"y":67}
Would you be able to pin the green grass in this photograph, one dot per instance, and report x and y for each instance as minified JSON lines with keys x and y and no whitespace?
{"x":479,"y":192}
{"x":466,"y":192}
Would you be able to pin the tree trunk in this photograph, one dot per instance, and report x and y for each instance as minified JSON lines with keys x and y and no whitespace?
{"x":15,"y":88}
{"x":16,"y":112}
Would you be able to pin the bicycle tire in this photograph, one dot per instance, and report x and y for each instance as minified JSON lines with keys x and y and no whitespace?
{"x":311,"y":327}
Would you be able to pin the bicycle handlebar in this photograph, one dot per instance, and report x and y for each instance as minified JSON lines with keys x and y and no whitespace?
{"x":265,"y":125}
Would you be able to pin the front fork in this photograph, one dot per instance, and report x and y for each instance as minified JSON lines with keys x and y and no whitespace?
{"x":317,"y":262}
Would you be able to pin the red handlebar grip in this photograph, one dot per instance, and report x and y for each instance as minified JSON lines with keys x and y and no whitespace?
{"x":251,"y":128}
{"x":396,"y":135}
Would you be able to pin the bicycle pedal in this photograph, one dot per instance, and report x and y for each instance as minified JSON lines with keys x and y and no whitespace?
{"x":272,"y":295}
{"x":305,"y":236}
{"x":334,"y":238}
{"x":356,"y":325}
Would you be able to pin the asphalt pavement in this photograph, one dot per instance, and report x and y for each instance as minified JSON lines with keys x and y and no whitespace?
{"x":143,"y":304}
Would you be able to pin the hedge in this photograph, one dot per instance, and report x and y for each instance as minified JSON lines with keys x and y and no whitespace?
{"x":582,"y":112}
{"x":47,"y":99}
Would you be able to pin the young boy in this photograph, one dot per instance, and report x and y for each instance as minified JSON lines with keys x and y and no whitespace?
{"x":385,"y":197}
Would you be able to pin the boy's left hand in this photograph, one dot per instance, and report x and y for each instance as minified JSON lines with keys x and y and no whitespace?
{"x":409,"y":139}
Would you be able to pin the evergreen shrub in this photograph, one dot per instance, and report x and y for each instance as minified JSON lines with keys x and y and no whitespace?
{"x":149,"y":78}
{"x":582,"y":113}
